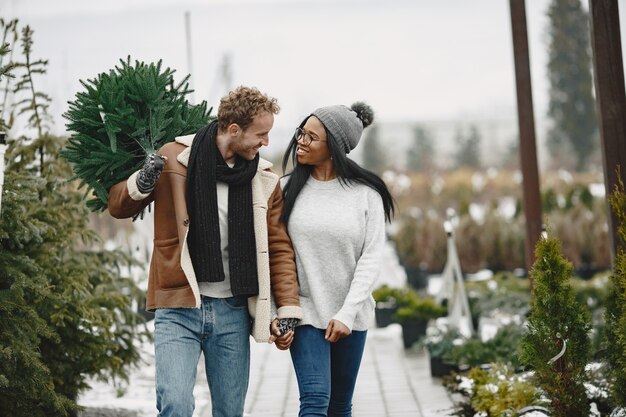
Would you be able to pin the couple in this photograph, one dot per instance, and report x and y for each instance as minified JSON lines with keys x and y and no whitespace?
{"x":238,"y":252}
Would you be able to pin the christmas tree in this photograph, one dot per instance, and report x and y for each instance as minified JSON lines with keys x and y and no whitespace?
{"x":121,"y":117}
{"x":616,"y":305}
{"x":557,"y":345}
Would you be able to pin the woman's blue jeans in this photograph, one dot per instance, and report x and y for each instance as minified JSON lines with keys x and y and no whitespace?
{"x":326,"y":372}
{"x":221,"y":330}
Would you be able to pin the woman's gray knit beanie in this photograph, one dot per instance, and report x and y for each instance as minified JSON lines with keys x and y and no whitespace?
{"x":346,"y":124}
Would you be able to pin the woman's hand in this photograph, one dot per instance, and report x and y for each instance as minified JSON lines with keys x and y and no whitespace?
{"x":282,"y":341}
{"x":336,"y":330}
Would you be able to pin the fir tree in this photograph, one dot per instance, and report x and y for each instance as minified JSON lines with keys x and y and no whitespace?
{"x":557,"y":323}
{"x":33,"y":104}
{"x":468,"y":148}
{"x":374,"y":158}
{"x":616,"y":305}
{"x":9,"y":36}
{"x":124,"y":115}
{"x":421,"y":153}
{"x":23,"y":374}
{"x":25,"y":380}
{"x":65,"y":303}
{"x":571,"y":108}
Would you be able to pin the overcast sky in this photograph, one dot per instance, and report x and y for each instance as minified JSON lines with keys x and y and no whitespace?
{"x":412,"y":60}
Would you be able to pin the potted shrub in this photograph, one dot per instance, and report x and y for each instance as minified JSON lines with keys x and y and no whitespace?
{"x":502,"y":348}
{"x":421,"y":247}
{"x":413,"y":316}
{"x":387,"y":301}
{"x":496,"y":391}
{"x":439,"y":341}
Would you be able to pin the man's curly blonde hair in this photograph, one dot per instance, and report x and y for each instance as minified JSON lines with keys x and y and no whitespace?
{"x":242,"y":104}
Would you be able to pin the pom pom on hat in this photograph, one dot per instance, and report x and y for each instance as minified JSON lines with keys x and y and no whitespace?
{"x":346,"y":124}
{"x":364,"y":112}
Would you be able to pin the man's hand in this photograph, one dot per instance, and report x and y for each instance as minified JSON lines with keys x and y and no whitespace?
{"x":336,"y":330}
{"x":150,"y":172}
{"x":283,"y":341}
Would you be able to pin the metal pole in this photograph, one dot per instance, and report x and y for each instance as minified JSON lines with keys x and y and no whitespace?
{"x":189,"y":58}
{"x":610,"y":98}
{"x":3,"y":147}
{"x":526,"y":121}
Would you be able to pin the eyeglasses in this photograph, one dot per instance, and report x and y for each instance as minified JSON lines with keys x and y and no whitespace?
{"x":305,"y":137}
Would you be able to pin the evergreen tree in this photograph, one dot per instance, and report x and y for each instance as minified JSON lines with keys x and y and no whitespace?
{"x":65,"y":303}
{"x":374,"y":157}
{"x":33,"y":104}
{"x":510,"y":158}
{"x":571,"y":108}
{"x":421,"y":154}
{"x":9,"y":36}
{"x":23,"y":375}
{"x":468,"y":148}
{"x":615,"y":334}
{"x":124,"y":115}
{"x":557,"y":324}
{"x":25,"y":380}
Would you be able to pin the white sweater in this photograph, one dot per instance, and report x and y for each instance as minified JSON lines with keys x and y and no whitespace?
{"x":338,"y":233}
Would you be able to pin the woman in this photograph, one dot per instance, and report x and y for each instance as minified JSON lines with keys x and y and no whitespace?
{"x":335,"y":213}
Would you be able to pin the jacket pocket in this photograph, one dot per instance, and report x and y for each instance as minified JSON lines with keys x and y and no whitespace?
{"x":170,"y":275}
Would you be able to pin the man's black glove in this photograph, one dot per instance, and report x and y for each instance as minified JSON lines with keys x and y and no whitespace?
{"x":150,"y":172}
{"x":285,"y":325}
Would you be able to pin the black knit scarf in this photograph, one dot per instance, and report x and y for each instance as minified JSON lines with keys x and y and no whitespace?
{"x":207,"y":166}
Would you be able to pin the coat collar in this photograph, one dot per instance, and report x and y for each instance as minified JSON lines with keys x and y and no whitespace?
{"x":187,"y":140}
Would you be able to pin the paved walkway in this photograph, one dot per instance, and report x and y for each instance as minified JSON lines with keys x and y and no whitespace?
{"x":392,"y":383}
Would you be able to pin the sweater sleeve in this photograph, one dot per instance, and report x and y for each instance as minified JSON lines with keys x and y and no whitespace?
{"x":369,"y":263}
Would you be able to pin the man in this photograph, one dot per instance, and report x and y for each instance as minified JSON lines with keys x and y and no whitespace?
{"x":219,"y":247}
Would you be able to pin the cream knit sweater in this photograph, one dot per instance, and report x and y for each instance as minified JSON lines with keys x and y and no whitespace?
{"x":338,"y":233}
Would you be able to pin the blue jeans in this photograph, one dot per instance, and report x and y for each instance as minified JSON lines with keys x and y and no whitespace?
{"x":326,"y":372}
{"x":221,"y":330}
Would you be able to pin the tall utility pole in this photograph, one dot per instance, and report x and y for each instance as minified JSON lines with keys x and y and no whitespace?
{"x":189,"y":60}
{"x":610,"y":98}
{"x":526,"y":121}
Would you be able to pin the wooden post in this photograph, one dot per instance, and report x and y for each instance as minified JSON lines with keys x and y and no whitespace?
{"x":610,"y":97}
{"x":526,"y":121}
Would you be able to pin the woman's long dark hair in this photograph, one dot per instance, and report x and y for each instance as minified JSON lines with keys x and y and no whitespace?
{"x":347,"y":171}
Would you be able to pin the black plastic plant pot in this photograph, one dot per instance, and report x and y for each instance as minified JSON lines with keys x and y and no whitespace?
{"x":384,"y":314}
{"x":416,"y":277}
{"x":412,"y":330}
{"x":439,"y":368}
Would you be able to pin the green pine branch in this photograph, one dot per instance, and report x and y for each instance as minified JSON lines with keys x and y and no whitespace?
{"x":122,"y":116}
